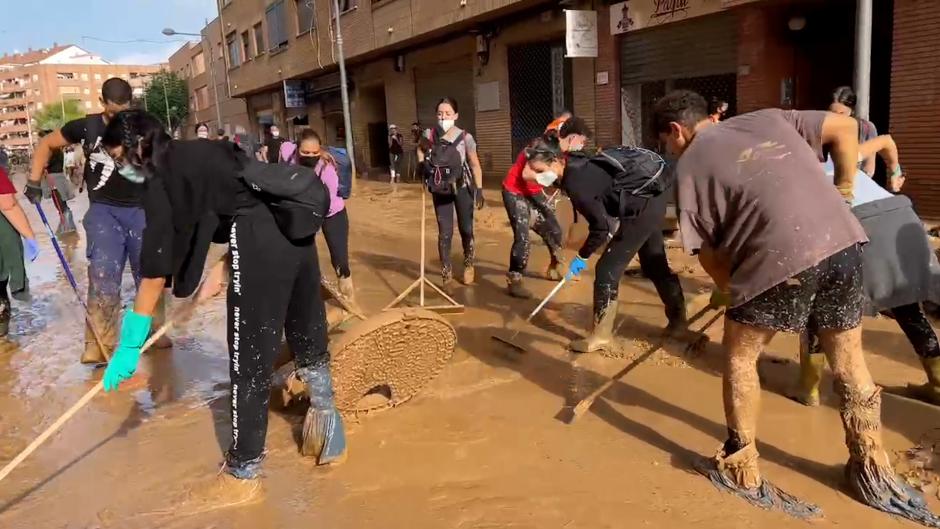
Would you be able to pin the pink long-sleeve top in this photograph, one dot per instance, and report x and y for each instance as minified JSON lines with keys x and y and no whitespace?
{"x":327,"y":172}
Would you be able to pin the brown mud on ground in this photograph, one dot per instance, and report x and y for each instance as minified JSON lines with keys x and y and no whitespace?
{"x":480,"y":447}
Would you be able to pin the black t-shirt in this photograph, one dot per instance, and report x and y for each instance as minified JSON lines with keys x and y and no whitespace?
{"x":395,"y":147}
{"x":104,"y":183}
{"x":188,"y":203}
{"x":274,"y":149}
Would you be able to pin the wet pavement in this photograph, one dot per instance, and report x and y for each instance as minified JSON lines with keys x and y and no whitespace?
{"x":482,"y":447}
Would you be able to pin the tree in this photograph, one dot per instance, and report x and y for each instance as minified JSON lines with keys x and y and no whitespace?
{"x":51,"y":117}
{"x":166,"y":89}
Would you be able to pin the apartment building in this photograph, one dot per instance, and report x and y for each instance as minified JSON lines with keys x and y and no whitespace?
{"x":192,"y":62}
{"x":31,"y":81}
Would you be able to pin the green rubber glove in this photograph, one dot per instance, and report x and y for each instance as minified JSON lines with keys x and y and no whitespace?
{"x":134,"y":331}
{"x":720,"y":298}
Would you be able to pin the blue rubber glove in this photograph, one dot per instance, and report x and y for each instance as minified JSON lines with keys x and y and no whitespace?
{"x":134,"y":332}
{"x":30,"y":249}
{"x":576,"y":267}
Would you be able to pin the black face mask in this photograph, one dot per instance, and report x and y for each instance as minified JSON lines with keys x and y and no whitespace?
{"x":308,"y":161}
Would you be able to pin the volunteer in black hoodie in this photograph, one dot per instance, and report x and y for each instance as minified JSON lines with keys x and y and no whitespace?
{"x":632,"y":225}
{"x":193,"y":194}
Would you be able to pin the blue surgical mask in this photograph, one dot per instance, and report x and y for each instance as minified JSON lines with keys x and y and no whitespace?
{"x":132,"y":174}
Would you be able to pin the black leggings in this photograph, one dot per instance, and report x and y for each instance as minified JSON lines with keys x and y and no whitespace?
{"x":444,"y":206}
{"x":275,"y":286}
{"x":641,"y":234}
{"x":336,"y":233}
{"x":911,"y":319}
{"x":520,"y":208}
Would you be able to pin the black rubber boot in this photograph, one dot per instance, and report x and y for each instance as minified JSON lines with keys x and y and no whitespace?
{"x":670,"y":292}
{"x":515,"y":287}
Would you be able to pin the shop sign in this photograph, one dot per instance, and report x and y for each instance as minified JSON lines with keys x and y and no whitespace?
{"x":580,"y":33}
{"x":294,"y":94}
{"x":633,"y":15}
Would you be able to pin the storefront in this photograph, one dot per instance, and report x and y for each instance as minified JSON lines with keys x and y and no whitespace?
{"x":663,"y":46}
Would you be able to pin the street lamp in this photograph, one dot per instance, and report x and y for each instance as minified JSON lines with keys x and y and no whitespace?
{"x":207,"y":49}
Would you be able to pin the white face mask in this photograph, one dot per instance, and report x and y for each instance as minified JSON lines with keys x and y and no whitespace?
{"x":202,"y":134}
{"x":275,"y":133}
{"x":546,"y":178}
{"x":446,"y":124}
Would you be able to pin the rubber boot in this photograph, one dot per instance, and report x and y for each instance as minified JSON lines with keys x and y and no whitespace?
{"x":869,"y":472}
{"x":602,"y":334}
{"x":237,"y":485}
{"x":515,"y":287}
{"x":469,"y":274}
{"x":447,"y":278}
{"x":811,"y":371}
{"x":556,"y":269}
{"x":670,"y":293}
{"x":104,"y":321}
{"x":66,"y":223}
{"x":323,"y":436}
{"x":5,"y":313}
{"x":929,"y":392}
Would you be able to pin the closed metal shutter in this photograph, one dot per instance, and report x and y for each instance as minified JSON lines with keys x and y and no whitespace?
{"x":698,"y":47}
{"x":453,"y":78}
{"x":915,"y":77}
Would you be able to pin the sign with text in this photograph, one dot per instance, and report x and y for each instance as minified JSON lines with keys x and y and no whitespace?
{"x":580,"y":33}
{"x":639,"y":14}
{"x":294,"y":94}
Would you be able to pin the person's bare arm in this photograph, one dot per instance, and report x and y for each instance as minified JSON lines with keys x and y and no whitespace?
{"x":43,"y":153}
{"x":148,"y":295}
{"x":840,"y":135}
{"x":885,"y":147}
{"x":716,"y":266}
{"x":868,"y":165}
{"x":474,"y":159}
{"x":14,"y":213}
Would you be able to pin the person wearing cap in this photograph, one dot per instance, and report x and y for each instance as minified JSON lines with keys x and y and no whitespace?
{"x":395,"y":150}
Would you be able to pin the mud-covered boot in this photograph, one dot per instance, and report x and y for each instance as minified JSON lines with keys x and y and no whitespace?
{"x":323,"y":436}
{"x":557,"y":269}
{"x":5,"y":313}
{"x":602,"y":334}
{"x":237,"y":485}
{"x":469,"y":274}
{"x":869,"y":472}
{"x":66,"y":223}
{"x":812,"y":364}
{"x":929,"y":392}
{"x":515,"y":286}
{"x":738,"y":473}
{"x":670,"y":293}
{"x":447,"y":279}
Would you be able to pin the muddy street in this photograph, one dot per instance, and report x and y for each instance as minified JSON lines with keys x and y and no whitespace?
{"x":483,"y":446}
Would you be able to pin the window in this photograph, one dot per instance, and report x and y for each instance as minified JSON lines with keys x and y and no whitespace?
{"x":202,"y":98}
{"x":64,"y":75}
{"x":87,"y":104}
{"x":84,"y":77}
{"x":246,"y":45}
{"x":87,"y":91}
{"x":306,"y":19}
{"x":39,"y":106}
{"x":347,"y":5}
{"x":277,"y":34}
{"x":97,"y":77}
{"x":232,"y":44}
{"x":259,"y":39}
{"x":35,"y":77}
{"x":69,"y":90}
{"x":199,"y":63}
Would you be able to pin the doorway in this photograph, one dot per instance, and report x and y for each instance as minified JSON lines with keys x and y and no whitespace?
{"x":372,"y":117}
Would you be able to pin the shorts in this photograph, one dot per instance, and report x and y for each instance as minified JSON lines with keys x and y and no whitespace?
{"x":830,"y":292}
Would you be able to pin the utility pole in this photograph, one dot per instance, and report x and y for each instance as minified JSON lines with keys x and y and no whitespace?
{"x":166,"y":101}
{"x":863,"y":23}
{"x":207,"y":46}
{"x":344,"y":91}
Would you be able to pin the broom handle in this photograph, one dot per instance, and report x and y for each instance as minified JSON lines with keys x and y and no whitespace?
{"x":92,"y":392}
{"x":547,"y":298}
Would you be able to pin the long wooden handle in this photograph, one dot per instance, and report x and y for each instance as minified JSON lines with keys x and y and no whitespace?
{"x":86,"y":398}
{"x":588,"y":401}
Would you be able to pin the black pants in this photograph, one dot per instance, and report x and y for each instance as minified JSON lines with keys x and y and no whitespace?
{"x":520,"y":209}
{"x":336,"y":233}
{"x":913,"y":321}
{"x":641,"y":234}
{"x":444,"y":208}
{"x":274,"y":288}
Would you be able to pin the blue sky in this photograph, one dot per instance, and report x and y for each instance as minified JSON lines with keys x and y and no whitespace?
{"x":39,"y":23}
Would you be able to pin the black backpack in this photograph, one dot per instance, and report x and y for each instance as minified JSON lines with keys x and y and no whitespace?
{"x":296,"y":196}
{"x":443,"y":165}
{"x":635,"y":171}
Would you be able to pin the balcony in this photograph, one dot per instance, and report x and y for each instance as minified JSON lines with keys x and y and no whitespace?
{"x":15,"y":142}
{"x":10,"y":129}
{"x":13,"y":101}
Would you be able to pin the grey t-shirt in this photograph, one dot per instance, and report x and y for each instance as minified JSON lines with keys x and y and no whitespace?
{"x":753,"y":188}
